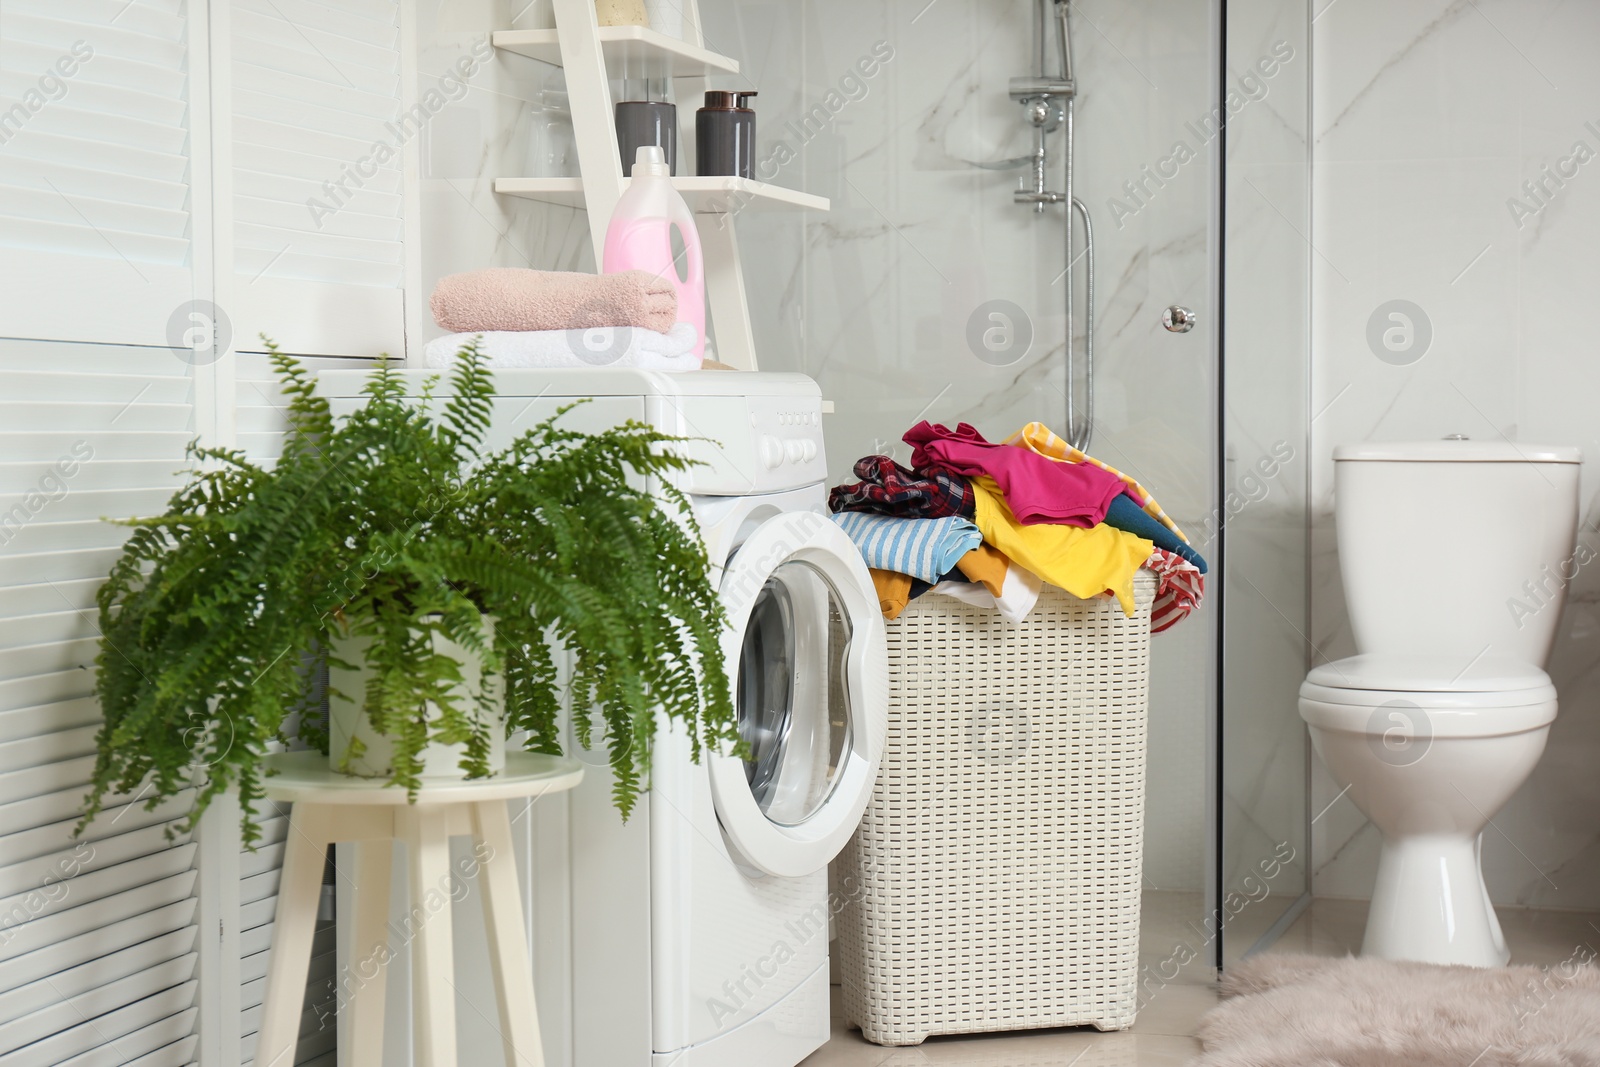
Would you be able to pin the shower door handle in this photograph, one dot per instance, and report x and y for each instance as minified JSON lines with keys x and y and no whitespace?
{"x":1179,"y":319}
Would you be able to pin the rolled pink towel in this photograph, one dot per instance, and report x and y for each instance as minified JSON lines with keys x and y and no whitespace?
{"x":515,"y":298}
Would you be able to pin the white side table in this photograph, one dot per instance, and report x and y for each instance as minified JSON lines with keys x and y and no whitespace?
{"x":330,"y":807}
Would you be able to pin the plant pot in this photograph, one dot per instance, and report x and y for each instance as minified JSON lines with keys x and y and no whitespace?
{"x":347,"y":720}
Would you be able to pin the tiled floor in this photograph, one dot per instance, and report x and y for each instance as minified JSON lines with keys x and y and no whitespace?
{"x":1161,"y":1037}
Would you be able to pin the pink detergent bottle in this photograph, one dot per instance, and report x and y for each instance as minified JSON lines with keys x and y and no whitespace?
{"x":640,"y":238}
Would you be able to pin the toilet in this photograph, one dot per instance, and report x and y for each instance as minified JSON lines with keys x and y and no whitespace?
{"x":1454,"y":556}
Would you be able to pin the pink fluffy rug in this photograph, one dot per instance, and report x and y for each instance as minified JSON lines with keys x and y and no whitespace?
{"x":1309,"y":1011}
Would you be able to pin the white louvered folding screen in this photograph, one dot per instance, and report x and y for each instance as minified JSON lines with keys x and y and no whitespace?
{"x":106,"y":235}
{"x":96,"y":183}
{"x":97,"y":936}
{"x":318,"y":182}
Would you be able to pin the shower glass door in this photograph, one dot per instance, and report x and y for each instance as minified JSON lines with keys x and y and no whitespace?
{"x":1263,"y":875}
{"x":929,"y":292}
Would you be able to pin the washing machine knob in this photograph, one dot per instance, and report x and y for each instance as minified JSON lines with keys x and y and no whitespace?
{"x":792,"y":451}
{"x":771,"y":452}
{"x":808,"y":450}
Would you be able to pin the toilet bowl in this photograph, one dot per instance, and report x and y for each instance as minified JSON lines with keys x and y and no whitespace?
{"x":1454,"y":556}
{"x":1430,"y":748}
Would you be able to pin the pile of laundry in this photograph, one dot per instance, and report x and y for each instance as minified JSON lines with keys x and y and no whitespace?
{"x":548,"y":318}
{"x":990,"y":523}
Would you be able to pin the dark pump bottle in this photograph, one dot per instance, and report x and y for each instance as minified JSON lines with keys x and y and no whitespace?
{"x":725,"y":135}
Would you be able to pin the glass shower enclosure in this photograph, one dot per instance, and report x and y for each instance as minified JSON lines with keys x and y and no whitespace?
{"x":1262,"y":778}
{"x":933,"y":290}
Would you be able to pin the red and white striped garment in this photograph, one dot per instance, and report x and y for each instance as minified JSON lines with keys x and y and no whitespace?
{"x":1179,"y":589}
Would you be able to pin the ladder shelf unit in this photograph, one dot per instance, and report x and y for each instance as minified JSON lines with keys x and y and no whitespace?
{"x":639,"y":50}
{"x":591,"y":56}
{"x":710,"y":195}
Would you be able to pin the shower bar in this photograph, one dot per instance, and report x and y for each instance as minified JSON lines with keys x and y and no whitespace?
{"x":1049,"y":99}
{"x":1080,"y":434}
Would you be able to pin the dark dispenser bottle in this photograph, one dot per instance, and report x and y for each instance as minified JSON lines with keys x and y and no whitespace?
{"x":641,"y":123}
{"x":725,"y":135}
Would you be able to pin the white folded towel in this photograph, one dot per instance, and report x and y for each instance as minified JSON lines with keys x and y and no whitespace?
{"x":602,"y":346}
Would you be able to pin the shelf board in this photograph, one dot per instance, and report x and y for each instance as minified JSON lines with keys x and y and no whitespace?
{"x":706,"y":196}
{"x":630,"y":51}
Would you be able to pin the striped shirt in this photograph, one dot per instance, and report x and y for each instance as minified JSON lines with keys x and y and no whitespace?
{"x":1179,"y":589}
{"x":923,"y":548}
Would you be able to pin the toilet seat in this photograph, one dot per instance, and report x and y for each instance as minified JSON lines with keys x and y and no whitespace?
{"x":1485,"y":697}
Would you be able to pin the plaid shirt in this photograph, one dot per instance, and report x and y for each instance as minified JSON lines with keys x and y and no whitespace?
{"x":890,"y":489}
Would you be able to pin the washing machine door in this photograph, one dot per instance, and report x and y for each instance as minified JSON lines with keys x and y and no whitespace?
{"x":805,"y":653}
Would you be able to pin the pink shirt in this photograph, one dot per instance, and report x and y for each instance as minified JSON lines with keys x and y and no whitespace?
{"x":1037,"y":489}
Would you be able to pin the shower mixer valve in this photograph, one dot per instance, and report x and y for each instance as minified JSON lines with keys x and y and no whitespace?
{"x":1044,"y":100}
{"x":1042,"y":111}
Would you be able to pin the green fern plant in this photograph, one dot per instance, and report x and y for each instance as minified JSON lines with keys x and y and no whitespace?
{"x":391,"y":524}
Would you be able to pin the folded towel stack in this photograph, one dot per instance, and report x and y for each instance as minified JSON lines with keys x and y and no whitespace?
{"x":539,"y":318}
{"x":599,"y":346}
{"x":513,"y":298}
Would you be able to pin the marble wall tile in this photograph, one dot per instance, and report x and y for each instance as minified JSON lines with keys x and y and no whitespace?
{"x":874,"y":299}
{"x":1429,"y":119}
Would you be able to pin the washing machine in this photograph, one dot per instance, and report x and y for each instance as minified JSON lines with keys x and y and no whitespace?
{"x":696,"y":933}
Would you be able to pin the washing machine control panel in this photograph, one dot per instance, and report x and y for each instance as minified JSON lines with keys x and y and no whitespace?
{"x":748,"y":444}
{"x":787,"y":434}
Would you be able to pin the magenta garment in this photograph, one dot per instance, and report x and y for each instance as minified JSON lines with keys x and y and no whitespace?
{"x":1037,"y":489}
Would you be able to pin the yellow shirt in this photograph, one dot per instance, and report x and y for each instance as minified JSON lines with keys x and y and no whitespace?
{"x":1084,"y":562}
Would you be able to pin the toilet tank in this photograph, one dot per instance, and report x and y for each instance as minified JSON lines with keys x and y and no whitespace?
{"x":1451,"y":547}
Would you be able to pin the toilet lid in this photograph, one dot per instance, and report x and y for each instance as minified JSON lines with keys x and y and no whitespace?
{"x":1429,"y":681}
{"x":1461,"y":451}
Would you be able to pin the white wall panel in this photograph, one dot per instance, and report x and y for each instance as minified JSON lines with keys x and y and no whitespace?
{"x":317,"y":203}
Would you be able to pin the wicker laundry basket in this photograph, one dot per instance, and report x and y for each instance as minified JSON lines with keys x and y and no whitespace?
{"x":994,"y":881}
